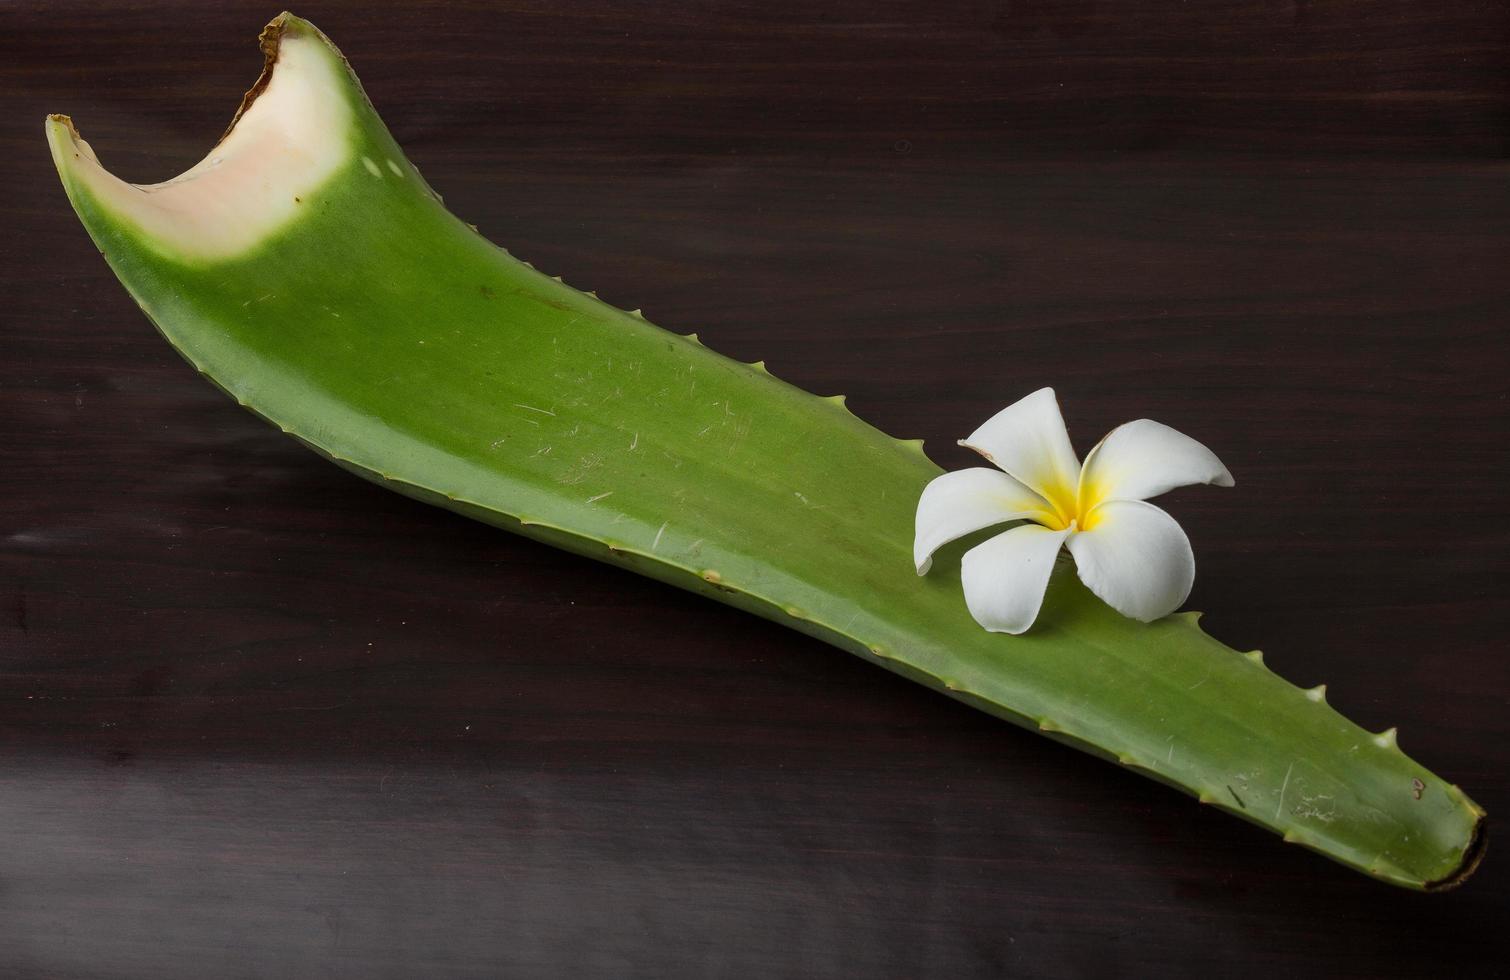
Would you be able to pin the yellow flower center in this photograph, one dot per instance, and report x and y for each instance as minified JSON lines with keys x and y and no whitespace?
{"x":1069,"y":505}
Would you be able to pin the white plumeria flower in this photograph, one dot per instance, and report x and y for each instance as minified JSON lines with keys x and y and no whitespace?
{"x":1130,"y":553}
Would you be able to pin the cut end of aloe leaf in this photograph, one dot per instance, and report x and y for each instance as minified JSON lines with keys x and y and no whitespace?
{"x":309,"y":272}
{"x":292,"y":134}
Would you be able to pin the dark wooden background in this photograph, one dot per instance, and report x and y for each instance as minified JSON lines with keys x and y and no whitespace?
{"x":258,"y":718}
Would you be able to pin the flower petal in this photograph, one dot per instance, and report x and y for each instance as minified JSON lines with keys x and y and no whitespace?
{"x":1136,"y":558}
{"x":955,"y":504}
{"x":1143,"y":459}
{"x":1005,"y":577}
{"x":1028,"y":440}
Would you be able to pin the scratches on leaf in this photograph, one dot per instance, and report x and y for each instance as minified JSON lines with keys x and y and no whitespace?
{"x":579,"y":470}
{"x":1279,"y":807}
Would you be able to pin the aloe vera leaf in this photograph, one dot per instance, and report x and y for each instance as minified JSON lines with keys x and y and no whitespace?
{"x":306,"y":269}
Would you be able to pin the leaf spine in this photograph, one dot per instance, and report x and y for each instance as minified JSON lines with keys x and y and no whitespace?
{"x":1257,"y":656}
{"x":1388,"y":739}
{"x":912,"y":445}
{"x":1317,"y":693}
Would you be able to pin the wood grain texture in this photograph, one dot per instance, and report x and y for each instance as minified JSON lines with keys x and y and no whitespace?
{"x":258,"y":718}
